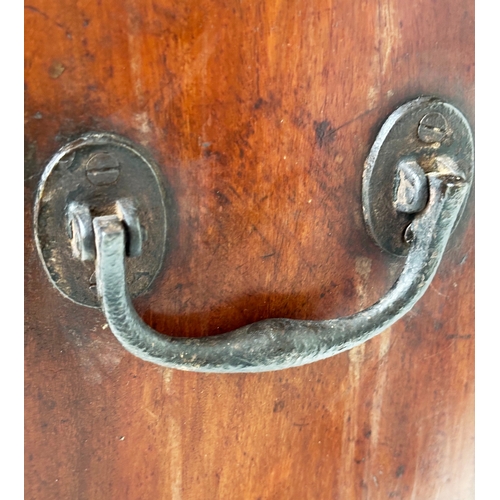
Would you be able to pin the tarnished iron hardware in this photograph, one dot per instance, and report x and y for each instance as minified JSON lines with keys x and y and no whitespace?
{"x":103,"y":169}
{"x":275,"y":344}
{"x":414,"y":141}
{"x":81,"y":231}
{"x":432,"y":128}
{"x":99,"y":174}
{"x":416,"y":183}
{"x":411,"y":191}
{"x":135,"y":233}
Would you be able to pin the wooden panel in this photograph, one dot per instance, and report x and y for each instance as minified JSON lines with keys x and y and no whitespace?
{"x":261,"y":115}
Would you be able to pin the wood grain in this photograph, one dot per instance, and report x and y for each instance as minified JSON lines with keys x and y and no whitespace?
{"x":261,"y":115}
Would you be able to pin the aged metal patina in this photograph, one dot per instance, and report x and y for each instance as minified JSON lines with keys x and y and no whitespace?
{"x":99,"y":174}
{"x":413,"y":194}
{"x":419,"y":131}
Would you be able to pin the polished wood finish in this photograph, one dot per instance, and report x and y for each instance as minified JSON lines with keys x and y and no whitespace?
{"x":261,"y":115}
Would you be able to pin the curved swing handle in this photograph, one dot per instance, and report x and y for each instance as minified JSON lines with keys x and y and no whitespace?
{"x":416,"y":178}
{"x":275,"y":344}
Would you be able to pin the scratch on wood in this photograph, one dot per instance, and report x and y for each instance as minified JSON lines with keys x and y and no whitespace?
{"x":174,"y":435}
{"x":437,"y":291}
{"x":380,"y":385}
{"x":44,"y":15}
{"x":388,"y":33}
{"x":363,"y":266}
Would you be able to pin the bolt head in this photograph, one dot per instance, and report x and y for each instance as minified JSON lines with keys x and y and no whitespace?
{"x":102,"y":169}
{"x":80,"y":231}
{"x":432,"y":128}
{"x":411,"y":190}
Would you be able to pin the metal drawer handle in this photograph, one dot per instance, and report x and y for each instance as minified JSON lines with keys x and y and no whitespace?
{"x":436,"y":193}
{"x":275,"y":344}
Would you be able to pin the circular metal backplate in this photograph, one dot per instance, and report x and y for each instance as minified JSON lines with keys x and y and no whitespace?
{"x":409,"y":133}
{"x":97,"y":170}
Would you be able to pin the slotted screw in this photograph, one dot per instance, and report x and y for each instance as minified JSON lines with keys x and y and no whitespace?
{"x":432,"y":128}
{"x":102,"y":169}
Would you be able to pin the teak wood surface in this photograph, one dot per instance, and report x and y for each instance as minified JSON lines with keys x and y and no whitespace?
{"x":260,"y":114}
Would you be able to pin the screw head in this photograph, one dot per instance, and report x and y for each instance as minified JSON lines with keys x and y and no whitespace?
{"x":432,"y":128}
{"x":102,"y":169}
